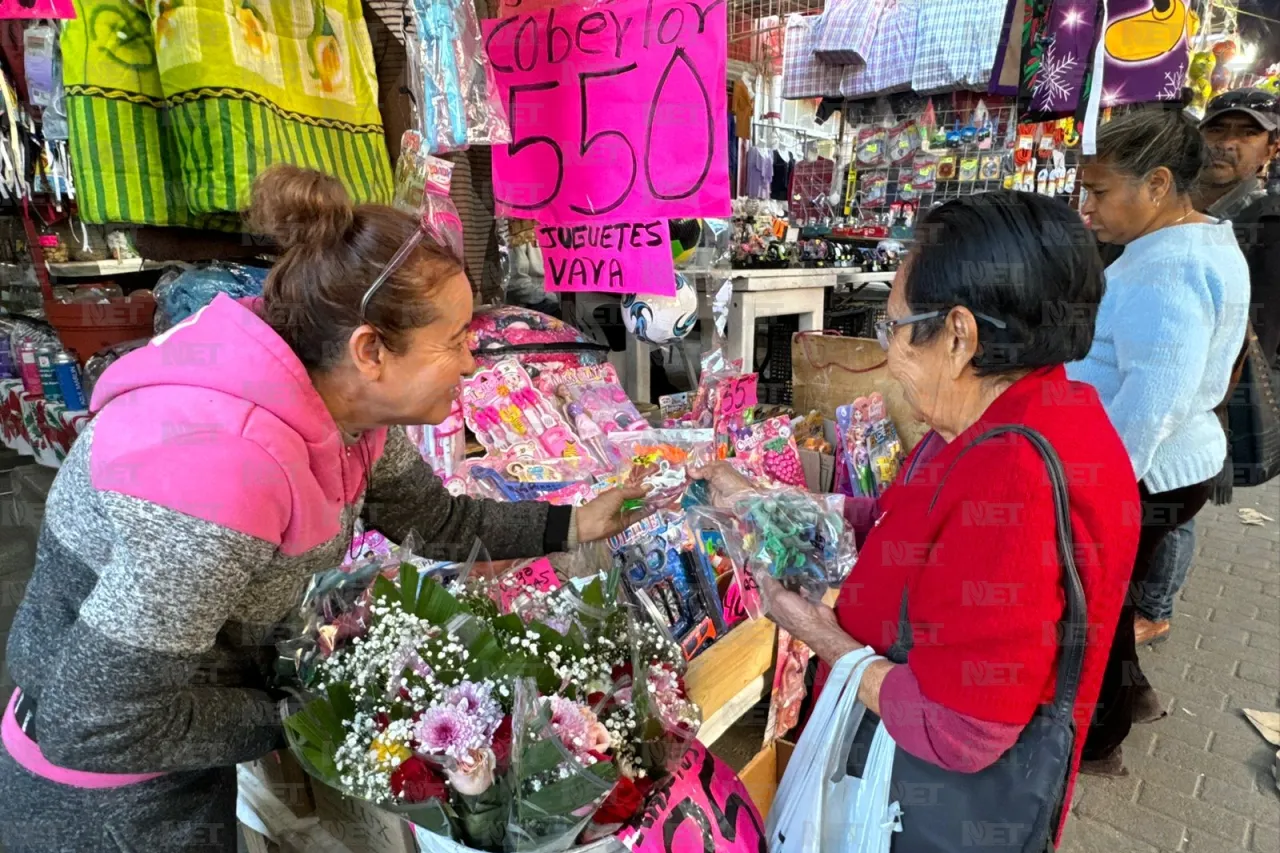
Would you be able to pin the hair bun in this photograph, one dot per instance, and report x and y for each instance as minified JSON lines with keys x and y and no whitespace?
{"x":298,"y":207}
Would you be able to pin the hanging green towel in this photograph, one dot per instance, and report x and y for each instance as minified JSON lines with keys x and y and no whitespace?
{"x":176,"y":108}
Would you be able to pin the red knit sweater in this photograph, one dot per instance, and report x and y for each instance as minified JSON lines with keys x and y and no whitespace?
{"x":981,"y":570}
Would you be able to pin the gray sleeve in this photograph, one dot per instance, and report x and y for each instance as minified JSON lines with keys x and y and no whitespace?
{"x":405,"y":496}
{"x":137,"y":684}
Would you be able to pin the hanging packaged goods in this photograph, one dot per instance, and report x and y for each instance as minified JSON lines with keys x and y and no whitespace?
{"x":175,"y":109}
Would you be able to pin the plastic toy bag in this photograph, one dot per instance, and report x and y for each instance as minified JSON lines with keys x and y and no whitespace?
{"x":795,"y":537}
{"x":711,"y":531}
{"x":606,"y":403}
{"x":769,"y":449}
{"x":443,"y":446}
{"x":450,"y":77}
{"x":422,"y":188}
{"x":721,"y":528}
{"x":660,"y":459}
{"x":653,"y":563}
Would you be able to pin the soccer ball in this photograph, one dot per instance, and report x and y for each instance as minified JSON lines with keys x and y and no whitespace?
{"x":661,"y":320}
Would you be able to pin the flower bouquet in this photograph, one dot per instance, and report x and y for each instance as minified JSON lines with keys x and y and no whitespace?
{"x":527,"y":730}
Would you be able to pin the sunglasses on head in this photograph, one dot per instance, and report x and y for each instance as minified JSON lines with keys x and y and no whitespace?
{"x":397,"y":260}
{"x":1249,"y":99}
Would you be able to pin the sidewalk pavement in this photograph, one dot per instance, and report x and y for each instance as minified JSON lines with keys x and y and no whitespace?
{"x":1200,"y":780}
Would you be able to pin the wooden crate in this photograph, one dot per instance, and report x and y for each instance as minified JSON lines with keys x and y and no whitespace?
{"x":731,"y":676}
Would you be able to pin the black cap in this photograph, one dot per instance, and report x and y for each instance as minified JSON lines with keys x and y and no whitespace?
{"x":1259,"y":104}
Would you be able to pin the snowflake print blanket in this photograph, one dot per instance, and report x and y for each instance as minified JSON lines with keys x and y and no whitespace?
{"x":1057,"y":49}
{"x":175,"y":106}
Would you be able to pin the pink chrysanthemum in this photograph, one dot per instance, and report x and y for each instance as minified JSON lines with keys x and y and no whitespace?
{"x":476,"y":699}
{"x":448,"y":730}
{"x":569,"y":723}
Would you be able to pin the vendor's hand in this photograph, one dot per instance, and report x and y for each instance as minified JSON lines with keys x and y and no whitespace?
{"x":726,"y":482}
{"x":605,"y":516}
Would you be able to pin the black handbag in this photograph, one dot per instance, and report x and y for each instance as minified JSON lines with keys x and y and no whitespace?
{"x":1253,"y":420}
{"x":1016,"y":803}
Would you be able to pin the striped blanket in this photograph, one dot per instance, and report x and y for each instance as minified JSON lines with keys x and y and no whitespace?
{"x":175,"y":106}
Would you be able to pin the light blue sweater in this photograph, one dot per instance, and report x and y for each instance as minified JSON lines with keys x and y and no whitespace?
{"x":1169,"y":328}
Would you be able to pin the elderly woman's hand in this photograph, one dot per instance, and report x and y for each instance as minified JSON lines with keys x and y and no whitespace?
{"x":811,"y":622}
{"x":725,"y":481}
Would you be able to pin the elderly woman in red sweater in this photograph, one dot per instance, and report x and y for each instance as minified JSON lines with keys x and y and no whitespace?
{"x":997,"y":297}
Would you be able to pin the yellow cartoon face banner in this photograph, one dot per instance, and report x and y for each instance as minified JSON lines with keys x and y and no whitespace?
{"x":1145,"y":45}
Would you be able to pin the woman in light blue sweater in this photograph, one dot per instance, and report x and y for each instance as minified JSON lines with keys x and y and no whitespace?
{"x":1168,"y":331}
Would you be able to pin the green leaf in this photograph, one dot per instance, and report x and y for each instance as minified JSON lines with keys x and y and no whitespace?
{"x":435,"y":604}
{"x":384,"y":589}
{"x":409,"y":587}
{"x":341,"y":703}
{"x":511,"y":625}
{"x":431,"y":816}
{"x":569,"y":795}
{"x":594,"y":594}
{"x":540,"y":757}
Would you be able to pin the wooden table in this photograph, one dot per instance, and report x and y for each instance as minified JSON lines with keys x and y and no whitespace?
{"x":756,"y":294}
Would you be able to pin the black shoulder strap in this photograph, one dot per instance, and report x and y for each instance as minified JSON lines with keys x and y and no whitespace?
{"x":1074,"y":625}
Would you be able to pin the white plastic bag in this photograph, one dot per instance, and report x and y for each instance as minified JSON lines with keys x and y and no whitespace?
{"x":818,"y":807}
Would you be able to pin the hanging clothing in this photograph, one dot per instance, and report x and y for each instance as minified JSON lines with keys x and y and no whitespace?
{"x":172,"y":121}
{"x":891,"y":57}
{"x":803,"y":74}
{"x":734,"y":145}
{"x":780,"y":182}
{"x":847,"y":31}
{"x":744,"y":109}
{"x":1007,"y":72}
{"x":956,"y":43}
{"x":759,"y":173}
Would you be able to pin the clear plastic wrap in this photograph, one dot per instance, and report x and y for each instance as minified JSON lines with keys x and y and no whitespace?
{"x":560,"y":773}
{"x":718,"y":531}
{"x":450,"y":77}
{"x":660,"y":459}
{"x":795,"y":537}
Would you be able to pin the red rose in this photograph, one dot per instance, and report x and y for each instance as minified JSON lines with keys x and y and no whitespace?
{"x":502,"y":742}
{"x":594,"y":699}
{"x":381,"y":721}
{"x":416,"y":781}
{"x":623,"y":803}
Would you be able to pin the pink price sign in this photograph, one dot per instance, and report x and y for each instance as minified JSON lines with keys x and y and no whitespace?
{"x":617,"y":110}
{"x":737,"y":395}
{"x":537,"y":576}
{"x":624,"y":257}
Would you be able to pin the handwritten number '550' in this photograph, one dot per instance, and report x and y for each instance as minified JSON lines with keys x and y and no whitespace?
{"x":585,"y":144}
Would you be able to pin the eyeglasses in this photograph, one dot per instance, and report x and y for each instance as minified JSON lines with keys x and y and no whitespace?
{"x":1249,"y":99}
{"x":885,"y":328}
{"x":397,"y":260}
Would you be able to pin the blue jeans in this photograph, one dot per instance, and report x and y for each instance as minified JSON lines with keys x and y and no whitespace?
{"x":1168,"y":573}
